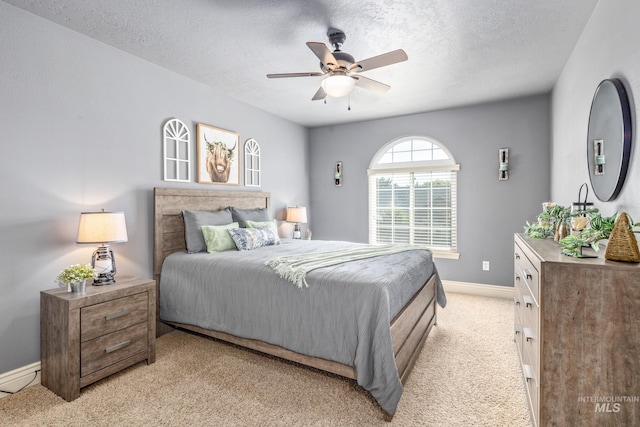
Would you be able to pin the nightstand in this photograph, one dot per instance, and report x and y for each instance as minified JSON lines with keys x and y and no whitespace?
{"x":84,"y":338}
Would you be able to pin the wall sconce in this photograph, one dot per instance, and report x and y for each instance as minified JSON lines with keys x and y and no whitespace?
{"x":598,"y":156}
{"x":102,"y":228}
{"x":503,"y":161}
{"x":337,"y":176}
{"x":297,"y":214}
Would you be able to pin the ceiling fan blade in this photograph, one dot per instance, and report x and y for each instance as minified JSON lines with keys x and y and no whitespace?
{"x":370,"y":84}
{"x":379,"y":61}
{"x":320,"y":94}
{"x":324,"y":55}
{"x":309,"y":74}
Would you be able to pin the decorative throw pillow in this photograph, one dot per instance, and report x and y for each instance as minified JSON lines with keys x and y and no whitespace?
{"x":217,"y":237}
{"x":242,"y":215}
{"x":247,"y":239}
{"x":193,"y":220}
{"x":261,"y":224}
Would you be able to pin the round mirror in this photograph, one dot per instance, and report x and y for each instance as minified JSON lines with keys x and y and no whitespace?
{"x":609,"y":139}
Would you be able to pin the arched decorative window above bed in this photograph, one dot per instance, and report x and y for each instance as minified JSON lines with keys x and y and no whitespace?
{"x":252,"y":163}
{"x":177,"y":151}
{"x":412,"y":195}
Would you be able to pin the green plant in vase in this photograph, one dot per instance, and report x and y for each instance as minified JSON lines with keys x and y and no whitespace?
{"x":600,"y":228}
{"x":548,"y":220}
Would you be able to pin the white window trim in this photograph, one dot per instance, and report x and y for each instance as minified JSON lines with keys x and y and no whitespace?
{"x":417,"y":166}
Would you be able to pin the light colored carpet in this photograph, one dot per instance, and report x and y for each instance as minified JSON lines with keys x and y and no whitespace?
{"x":467,"y":375}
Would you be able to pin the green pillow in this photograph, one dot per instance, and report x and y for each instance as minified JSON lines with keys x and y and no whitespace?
{"x":217,"y":237}
{"x":261,"y":224}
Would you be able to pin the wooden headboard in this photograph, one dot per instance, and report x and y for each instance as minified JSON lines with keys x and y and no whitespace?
{"x":168,"y":225}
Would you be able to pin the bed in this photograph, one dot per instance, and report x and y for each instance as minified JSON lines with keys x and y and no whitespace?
{"x":345,"y":323}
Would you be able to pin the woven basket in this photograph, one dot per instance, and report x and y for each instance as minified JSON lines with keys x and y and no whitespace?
{"x":622,"y":245}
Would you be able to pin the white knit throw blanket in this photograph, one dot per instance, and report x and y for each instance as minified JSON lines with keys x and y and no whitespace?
{"x":295,"y":267}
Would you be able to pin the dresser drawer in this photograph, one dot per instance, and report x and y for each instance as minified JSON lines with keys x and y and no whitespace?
{"x":114,"y":347}
{"x":517,"y":335}
{"x":533,"y":390}
{"x":526,"y":272}
{"x":111,"y":316}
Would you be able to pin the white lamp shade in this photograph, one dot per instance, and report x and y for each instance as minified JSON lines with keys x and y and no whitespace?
{"x":102,"y":227}
{"x":297,"y":214}
{"x":338,"y":85}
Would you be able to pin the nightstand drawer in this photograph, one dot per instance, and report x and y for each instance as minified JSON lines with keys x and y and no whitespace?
{"x":111,"y":316}
{"x":109,"y":349}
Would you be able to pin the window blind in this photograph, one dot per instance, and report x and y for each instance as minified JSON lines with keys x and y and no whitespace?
{"x":416,"y":207}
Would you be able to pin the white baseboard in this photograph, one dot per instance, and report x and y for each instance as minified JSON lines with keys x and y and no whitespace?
{"x":14,"y":381}
{"x":479,"y":289}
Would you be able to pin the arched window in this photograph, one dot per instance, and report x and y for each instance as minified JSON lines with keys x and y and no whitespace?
{"x":176,"y":143}
{"x":412,"y":195}
{"x":252,"y":163}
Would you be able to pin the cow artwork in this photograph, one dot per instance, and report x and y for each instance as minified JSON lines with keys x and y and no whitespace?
{"x":218,"y":156}
{"x":219,"y":160}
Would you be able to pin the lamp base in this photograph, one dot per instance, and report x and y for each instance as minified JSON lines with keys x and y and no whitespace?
{"x":296,"y":232}
{"x":104,"y":262}
{"x":103,"y":280}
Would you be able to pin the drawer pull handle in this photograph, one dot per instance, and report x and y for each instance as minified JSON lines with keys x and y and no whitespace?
{"x":526,"y":369}
{"x":527,"y":274}
{"x":117,"y":346}
{"x":527,"y":334}
{"x":527,"y":301}
{"x":517,"y":277}
{"x":516,"y":328}
{"x":516,"y":300}
{"x":517,"y":255}
{"x":116,"y":315}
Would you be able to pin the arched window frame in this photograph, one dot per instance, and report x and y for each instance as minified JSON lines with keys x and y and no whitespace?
{"x":252,"y":164}
{"x":405,"y":162}
{"x":176,"y":146}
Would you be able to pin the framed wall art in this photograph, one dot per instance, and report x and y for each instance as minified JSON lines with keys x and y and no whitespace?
{"x":218,"y":155}
{"x":251,"y":163}
{"x":177,"y":151}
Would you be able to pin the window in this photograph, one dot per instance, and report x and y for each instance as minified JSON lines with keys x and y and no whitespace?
{"x":412,"y":196}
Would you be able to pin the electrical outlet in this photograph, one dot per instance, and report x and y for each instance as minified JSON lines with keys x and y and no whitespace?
{"x":485,"y":265}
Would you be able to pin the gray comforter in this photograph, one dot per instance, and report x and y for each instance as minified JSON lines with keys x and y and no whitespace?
{"x":343,"y":316}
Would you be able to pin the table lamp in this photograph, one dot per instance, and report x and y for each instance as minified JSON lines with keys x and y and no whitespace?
{"x":297,"y":214}
{"x":102,"y":228}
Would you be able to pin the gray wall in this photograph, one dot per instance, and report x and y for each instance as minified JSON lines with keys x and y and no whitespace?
{"x":81,"y":130}
{"x":607,"y":48}
{"x":489,"y":211}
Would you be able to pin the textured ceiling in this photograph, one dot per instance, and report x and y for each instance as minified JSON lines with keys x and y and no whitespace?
{"x":460,"y":51}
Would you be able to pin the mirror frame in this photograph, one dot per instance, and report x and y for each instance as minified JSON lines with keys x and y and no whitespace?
{"x":621,"y":113}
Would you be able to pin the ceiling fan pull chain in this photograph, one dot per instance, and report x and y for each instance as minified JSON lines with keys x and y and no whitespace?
{"x":349,"y":104}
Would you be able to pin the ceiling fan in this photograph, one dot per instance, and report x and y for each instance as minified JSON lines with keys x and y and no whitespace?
{"x":341,"y":69}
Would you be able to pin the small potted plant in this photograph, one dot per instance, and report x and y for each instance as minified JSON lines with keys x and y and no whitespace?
{"x":75,"y":277}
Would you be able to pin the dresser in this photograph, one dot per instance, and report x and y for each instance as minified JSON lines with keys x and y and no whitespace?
{"x":87,"y":337}
{"x":577,"y":330}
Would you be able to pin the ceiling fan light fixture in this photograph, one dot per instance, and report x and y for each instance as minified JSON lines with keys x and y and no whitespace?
{"x":338,"y":85}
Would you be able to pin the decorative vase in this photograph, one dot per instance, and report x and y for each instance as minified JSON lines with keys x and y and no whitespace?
{"x":561,"y":232}
{"x":78,"y":287}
